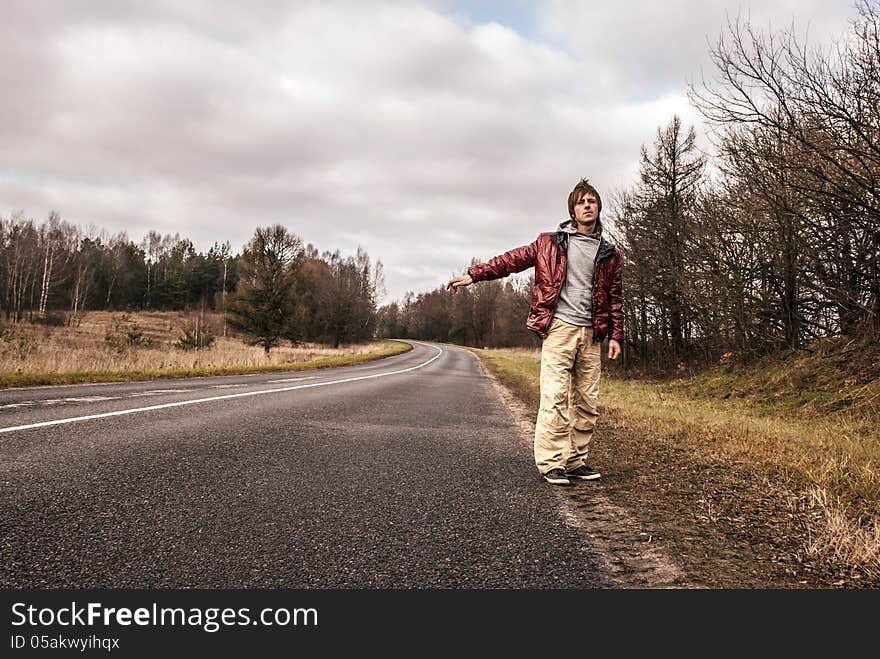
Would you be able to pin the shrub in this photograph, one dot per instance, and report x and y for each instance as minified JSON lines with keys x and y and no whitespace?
{"x":20,"y":345}
{"x":134,"y":336}
{"x":195,"y":339}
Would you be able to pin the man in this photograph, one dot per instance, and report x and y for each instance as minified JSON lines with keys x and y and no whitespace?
{"x":577,"y":302}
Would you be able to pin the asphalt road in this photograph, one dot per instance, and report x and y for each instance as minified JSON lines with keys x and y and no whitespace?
{"x":408,"y":472}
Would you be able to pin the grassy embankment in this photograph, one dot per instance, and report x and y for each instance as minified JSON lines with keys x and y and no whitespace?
{"x":808,"y":420}
{"x":106,"y":347}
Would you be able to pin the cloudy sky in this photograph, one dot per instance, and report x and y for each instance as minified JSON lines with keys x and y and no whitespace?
{"x":427,"y":132}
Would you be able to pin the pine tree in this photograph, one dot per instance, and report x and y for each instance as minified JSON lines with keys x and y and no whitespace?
{"x":264,"y":304}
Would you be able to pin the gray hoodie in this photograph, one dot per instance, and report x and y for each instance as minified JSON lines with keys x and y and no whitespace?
{"x":575,"y":305}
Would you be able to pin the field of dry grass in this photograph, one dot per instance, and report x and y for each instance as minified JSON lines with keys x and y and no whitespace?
{"x":825,"y":453}
{"x":104,"y":345}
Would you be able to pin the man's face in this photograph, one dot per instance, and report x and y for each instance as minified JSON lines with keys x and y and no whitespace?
{"x":586,"y":211}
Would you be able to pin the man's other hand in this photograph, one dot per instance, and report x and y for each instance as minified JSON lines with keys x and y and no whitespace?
{"x":613,"y":349}
{"x":455,"y":284}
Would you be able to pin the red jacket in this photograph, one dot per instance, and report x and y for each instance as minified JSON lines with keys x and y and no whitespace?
{"x":548,"y":255}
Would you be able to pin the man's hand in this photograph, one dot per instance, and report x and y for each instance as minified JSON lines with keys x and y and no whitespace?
{"x":613,"y":349}
{"x":455,"y":284}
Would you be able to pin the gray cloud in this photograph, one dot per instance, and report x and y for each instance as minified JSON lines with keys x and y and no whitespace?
{"x":642,"y":50}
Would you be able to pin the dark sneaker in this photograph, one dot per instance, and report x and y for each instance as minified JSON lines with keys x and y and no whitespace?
{"x":557,"y":477}
{"x":584,"y":473}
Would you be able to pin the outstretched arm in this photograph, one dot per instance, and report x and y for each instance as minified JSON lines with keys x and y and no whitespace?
{"x":516,"y":260}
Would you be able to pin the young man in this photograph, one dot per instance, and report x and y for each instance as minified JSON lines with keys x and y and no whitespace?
{"x":577,"y":302}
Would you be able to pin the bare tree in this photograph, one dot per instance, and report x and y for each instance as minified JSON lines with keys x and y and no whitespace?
{"x":810,"y":117}
{"x":346,"y":309}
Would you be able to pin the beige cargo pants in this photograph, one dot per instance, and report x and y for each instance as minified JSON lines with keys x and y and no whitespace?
{"x":570,"y":366}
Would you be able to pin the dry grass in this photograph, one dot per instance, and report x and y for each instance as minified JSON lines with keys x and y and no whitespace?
{"x":842,"y":538}
{"x":103,"y":345}
{"x":833,"y":460}
{"x":835,"y":452}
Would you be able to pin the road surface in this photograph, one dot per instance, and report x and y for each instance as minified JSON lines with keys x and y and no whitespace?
{"x":408,"y":472}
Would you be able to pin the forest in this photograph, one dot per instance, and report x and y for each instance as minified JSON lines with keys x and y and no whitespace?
{"x":276,"y":289}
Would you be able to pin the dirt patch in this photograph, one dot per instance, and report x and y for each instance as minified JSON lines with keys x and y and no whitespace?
{"x":666,"y":517}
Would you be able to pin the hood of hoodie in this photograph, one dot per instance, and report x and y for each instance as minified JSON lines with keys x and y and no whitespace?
{"x":568,"y":227}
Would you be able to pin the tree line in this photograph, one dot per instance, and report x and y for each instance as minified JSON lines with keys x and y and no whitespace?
{"x":54,"y":269}
{"x":276,"y":289}
{"x":490,"y":314}
{"x":769,"y":243}
{"x":289,"y":292}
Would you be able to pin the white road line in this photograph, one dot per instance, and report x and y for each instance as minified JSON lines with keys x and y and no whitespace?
{"x":310,"y":377}
{"x":58,"y":422}
{"x":56,"y":401}
{"x":156,"y":392}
